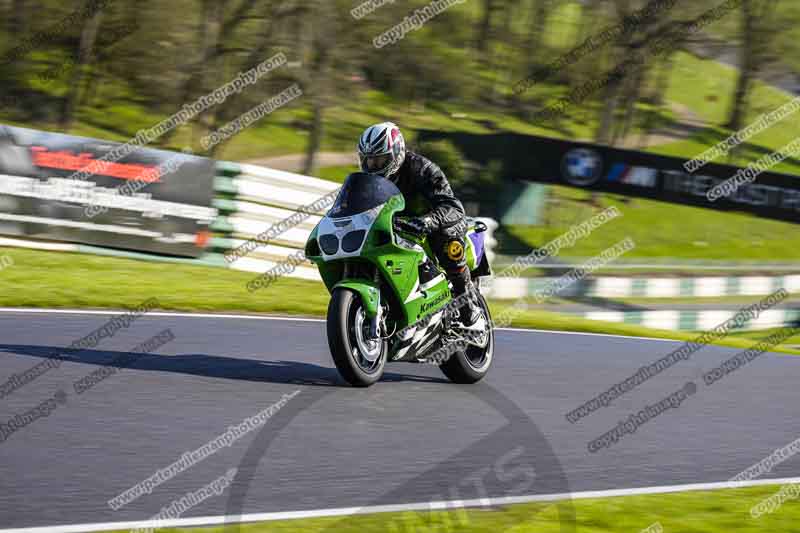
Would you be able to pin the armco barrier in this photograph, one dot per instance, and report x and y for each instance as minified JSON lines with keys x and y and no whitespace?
{"x":618,"y":287}
{"x":251,"y":198}
{"x":702,"y":320}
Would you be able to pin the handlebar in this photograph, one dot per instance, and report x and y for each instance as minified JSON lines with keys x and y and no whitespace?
{"x":399,"y":224}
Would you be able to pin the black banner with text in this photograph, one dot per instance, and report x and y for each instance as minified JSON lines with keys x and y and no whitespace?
{"x":76,"y":189}
{"x":629,"y":172}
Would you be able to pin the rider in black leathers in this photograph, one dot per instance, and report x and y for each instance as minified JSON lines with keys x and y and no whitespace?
{"x":430,"y":202}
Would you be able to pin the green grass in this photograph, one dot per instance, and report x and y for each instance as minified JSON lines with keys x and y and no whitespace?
{"x":663,"y":230}
{"x":547,"y":320}
{"x":765,"y":333}
{"x":54,"y":279}
{"x":68,"y":280}
{"x":705,"y":87}
{"x":720,"y":511}
{"x":337,"y":174}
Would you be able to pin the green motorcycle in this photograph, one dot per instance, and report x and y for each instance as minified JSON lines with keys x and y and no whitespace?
{"x":390,"y":300}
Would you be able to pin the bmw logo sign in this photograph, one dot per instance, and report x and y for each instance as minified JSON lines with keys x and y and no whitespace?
{"x":581,"y":167}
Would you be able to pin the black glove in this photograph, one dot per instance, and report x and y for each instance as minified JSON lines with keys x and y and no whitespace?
{"x":418,"y":225}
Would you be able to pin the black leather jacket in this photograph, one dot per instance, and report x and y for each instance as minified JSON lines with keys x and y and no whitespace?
{"x":427,"y":192}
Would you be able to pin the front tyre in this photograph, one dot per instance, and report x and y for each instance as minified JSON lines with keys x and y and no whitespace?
{"x":360,"y":361}
{"x":472,"y":364}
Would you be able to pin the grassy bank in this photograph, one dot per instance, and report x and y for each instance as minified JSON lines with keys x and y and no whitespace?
{"x":719,"y":511}
{"x":67,"y":280}
{"x":661,"y":230}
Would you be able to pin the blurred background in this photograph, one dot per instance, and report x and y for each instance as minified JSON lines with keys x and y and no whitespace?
{"x":126,"y":66}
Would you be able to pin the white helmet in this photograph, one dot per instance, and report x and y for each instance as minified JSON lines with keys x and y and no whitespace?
{"x":382,"y":149}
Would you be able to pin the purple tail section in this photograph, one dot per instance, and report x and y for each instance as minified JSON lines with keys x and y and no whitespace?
{"x":477,"y":241}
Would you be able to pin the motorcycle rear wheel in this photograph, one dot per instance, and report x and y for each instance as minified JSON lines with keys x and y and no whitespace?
{"x":471,"y":365}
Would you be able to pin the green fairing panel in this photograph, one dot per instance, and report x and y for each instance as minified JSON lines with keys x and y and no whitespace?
{"x":368,"y":291}
{"x":398,"y":265}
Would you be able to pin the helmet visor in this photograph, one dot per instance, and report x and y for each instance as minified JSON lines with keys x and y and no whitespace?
{"x":376,"y":163}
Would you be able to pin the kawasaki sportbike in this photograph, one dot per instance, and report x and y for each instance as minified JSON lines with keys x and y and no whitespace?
{"x":389,"y":297}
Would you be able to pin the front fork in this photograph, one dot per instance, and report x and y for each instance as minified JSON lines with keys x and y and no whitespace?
{"x":370,"y":294}
{"x":375,"y":322}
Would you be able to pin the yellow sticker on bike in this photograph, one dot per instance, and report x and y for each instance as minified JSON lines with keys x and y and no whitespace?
{"x":455,"y":251}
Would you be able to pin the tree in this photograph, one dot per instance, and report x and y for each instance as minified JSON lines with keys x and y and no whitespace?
{"x":633,"y":57}
{"x":760,"y":29}
{"x":17,"y":17}
{"x":318,"y":77}
{"x":538,"y":14}
{"x":85,"y":53}
{"x":484,"y":31}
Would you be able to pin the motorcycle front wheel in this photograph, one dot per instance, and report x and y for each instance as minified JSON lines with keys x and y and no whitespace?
{"x":359,"y":359}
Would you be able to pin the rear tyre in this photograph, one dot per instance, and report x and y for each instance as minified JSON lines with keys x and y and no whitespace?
{"x":471,"y":365}
{"x":360,"y":361}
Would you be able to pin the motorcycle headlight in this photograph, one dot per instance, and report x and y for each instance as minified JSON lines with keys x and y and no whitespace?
{"x":352,"y":241}
{"x":329,"y":244}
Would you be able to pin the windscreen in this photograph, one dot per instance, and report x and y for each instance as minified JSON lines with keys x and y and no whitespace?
{"x":361,"y":192}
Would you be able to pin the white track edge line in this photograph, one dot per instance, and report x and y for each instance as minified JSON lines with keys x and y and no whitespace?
{"x":179,"y":314}
{"x":35,"y":310}
{"x":424,"y":506}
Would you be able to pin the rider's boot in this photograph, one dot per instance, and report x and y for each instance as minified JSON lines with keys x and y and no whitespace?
{"x":469,"y":314}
